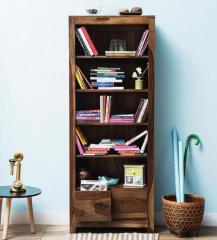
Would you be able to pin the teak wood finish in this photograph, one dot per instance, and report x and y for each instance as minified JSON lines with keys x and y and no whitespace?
{"x":118,"y":207}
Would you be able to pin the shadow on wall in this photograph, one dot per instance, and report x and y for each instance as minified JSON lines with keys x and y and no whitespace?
{"x":168,"y":78}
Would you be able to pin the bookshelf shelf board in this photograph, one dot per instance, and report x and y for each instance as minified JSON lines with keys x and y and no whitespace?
{"x":113,"y":156}
{"x":108,"y":124}
{"x":112,"y":91}
{"x":120,"y":185}
{"x":111,"y":57}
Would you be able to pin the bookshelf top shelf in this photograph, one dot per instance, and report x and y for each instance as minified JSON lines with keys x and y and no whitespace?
{"x":111,"y":57}
{"x":111,"y":90}
{"x":96,"y":123}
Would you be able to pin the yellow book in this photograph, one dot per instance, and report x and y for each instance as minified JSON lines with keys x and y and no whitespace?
{"x":81,"y":78}
{"x":78,"y":79}
{"x":81,"y":136}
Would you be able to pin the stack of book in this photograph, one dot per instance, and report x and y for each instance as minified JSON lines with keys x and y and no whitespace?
{"x":122,"y":118}
{"x":142,"y":44}
{"x":81,"y":79}
{"x":103,"y":147}
{"x":123,"y":149}
{"x":88,"y":115}
{"x":120,"y":53}
{"x":81,"y":141}
{"x":142,"y":111}
{"x":107,"y":78}
{"x":105,"y":108}
{"x":86,"y":42}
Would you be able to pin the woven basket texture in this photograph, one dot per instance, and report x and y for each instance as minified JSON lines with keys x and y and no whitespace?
{"x":183,"y":218}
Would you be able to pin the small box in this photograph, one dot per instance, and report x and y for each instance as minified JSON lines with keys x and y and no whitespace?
{"x":134,"y":175}
{"x":93,"y":185}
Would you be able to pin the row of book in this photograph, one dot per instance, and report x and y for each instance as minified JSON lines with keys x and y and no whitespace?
{"x":111,"y":146}
{"x":90,"y":49}
{"x":107,"y":78}
{"x":88,"y":115}
{"x":86,"y":42}
{"x":103,"y":115}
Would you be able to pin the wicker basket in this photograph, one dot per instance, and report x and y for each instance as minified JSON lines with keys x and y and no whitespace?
{"x":183,"y":218}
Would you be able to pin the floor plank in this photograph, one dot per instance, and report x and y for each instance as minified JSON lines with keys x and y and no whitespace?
{"x":59,"y":232}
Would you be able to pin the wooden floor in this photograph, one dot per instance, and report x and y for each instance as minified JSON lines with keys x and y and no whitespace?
{"x":46,"y":232}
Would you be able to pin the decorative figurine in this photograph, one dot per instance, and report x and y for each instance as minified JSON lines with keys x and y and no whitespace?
{"x":17,"y":184}
{"x":138,"y":74}
{"x":109,"y":181}
{"x":84,"y":174}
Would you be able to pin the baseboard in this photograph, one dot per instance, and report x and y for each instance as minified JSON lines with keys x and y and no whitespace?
{"x":62,"y":218}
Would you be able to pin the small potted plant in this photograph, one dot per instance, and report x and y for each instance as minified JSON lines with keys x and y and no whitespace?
{"x":183,"y":212}
{"x":138,"y":75}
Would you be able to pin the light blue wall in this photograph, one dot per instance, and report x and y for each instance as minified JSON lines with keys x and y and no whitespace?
{"x":34,"y":92}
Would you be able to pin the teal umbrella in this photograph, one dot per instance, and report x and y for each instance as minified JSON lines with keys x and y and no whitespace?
{"x":190,"y":137}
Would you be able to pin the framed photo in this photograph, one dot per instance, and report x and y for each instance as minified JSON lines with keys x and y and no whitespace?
{"x":133,"y":175}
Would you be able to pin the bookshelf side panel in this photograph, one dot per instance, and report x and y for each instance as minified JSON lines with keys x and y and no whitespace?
{"x":72,"y":123}
{"x":150,"y":167}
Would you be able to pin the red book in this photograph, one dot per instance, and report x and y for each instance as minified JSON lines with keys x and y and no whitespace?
{"x":89,"y":41}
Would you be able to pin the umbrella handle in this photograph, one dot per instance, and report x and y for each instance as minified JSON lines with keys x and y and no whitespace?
{"x":189,"y":138}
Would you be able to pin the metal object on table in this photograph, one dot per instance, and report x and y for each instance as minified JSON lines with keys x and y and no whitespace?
{"x":17,"y":184}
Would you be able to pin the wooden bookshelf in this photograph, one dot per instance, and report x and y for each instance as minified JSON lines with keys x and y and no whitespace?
{"x":118,"y":207}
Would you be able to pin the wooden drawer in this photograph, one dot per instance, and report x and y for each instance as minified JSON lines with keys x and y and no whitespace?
{"x":128,"y":203}
{"x":93,"y":206}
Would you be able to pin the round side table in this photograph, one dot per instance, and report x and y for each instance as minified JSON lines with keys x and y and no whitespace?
{"x":5,"y":193}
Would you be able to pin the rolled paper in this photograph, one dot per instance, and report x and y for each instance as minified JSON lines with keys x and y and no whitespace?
{"x":176,"y":162}
{"x":181,"y":172}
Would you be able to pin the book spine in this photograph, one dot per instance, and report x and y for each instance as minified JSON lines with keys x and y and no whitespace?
{"x":110,"y":106}
{"x":85,"y":41}
{"x":140,"y":43}
{"x":110,"y":88}
{"x":143,"y":44}
{"x":101,"y":109}
{"x":87,"y":118}
{"x":81,"y":136}
{"x":136,"y":137}
{"x":107,"y":106}
{"x":145,"y":103}
{"x":109,"y":80}
{"x":144,"y":47}
{"x":79,"y":80}
{"x":90,"y":41}
{"x":80,"y":148}
{"x":82,"y":43}
{"x":144,"y":144}
{"x":103,"y":77}
{"x":138,"y":109}
{"x":102,"y":84}
{"x":104,"y":107}
{"x":84,"y":77}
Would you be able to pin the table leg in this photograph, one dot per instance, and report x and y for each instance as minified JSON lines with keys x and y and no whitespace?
{"x":0,"y":210}
{"x":7,"y":218}
{"x":31,"y":217}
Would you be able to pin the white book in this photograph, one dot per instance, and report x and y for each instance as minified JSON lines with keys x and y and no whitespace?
{"x":110,"y":88}
{"x":101,"y":109}
{"x":113,"y":80}
{"x":136,"y":137}
{"x":144,"y":144}
{"x":100,"y":146}
{"x":85,"y":41}
{"x":105,"y":79}
{"x":142,"y":112}
{"x":107,"y":109}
